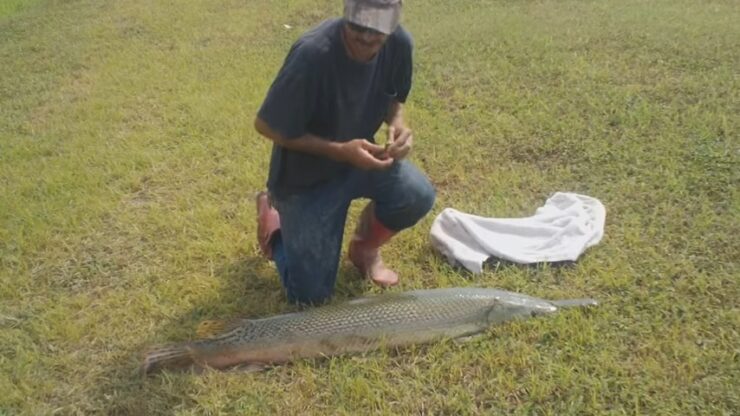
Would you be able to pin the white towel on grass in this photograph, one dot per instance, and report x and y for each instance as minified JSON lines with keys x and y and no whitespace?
{"x":561,"y":230}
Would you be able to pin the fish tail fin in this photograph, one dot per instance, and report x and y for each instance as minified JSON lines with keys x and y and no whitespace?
{"x":574,"y":303}
{"x":178,"y":356}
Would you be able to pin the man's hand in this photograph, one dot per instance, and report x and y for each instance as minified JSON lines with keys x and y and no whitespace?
{"x":358,"y":152}
{"x":400,"y":140}
{"x":362,"y":154}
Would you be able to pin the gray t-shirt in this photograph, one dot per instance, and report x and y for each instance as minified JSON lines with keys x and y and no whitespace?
{"x":321,"y":91}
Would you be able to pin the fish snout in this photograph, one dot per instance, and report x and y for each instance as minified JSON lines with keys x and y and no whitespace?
{"x":503,"y":312}
{"x":543,"y":309}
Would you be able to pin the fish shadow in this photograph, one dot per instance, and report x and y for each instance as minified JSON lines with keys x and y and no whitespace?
{"x":250,"y":289}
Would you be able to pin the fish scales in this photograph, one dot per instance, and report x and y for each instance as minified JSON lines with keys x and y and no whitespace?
{"x":358,"y":325}
{"x":384,"y":314}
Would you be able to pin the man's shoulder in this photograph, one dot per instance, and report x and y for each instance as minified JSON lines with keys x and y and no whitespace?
{"x":317,"y":43}
{"x":402,"y":38}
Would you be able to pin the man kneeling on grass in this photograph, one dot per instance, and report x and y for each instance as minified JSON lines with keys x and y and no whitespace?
{"x":338,"y":84}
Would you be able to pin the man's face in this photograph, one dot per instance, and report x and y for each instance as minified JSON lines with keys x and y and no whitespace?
{"x":363,"y":43}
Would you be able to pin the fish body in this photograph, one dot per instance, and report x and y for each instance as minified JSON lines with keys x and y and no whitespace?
{"x":359,"y":325}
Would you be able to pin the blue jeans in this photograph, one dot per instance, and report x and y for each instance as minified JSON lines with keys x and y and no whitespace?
{"x":308,"y":249}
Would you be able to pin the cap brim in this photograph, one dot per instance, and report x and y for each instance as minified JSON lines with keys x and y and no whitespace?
{"x":383,"y":19}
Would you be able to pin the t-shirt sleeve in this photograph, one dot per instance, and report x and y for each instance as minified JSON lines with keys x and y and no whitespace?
{"x":289,"y":104}
{"x":404,"y":70}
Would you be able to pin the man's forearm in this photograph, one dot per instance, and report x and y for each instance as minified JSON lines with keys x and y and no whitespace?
{"x":395,"y":114}
{"x":307,"y":143}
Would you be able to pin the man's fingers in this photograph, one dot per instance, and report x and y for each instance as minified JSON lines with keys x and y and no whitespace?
{"x":372,"y":147}
{"x":401,"y":140}
{"x":398,"y":154}
{"x":374,"y":157}
{"x":402,"y":146}
{"x":384,"y":163}
{"x":405,"y":134}
{"x":375,"y":163}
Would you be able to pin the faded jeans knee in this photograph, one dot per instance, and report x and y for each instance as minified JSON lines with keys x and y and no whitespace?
{"x":406,"y":204}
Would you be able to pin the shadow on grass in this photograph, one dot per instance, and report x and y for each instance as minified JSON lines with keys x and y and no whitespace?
{"x":494,"y":263}
{"x":251,"y":290}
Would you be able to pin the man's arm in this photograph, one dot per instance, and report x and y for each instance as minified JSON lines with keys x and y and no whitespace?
{"x":400,"y":137}
{"x":395,"y":114}
{"x":358,"y":152}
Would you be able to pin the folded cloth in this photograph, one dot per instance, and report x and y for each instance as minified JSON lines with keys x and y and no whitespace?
{"x":561,"y":230}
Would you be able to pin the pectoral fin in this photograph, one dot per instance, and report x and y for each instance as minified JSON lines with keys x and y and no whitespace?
{"x":468,"y":338}
{"x":248,"y":368}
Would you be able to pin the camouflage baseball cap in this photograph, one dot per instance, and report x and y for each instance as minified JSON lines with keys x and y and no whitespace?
{"x":381,"y":15}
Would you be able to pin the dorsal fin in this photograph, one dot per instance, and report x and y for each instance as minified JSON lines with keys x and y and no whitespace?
{"x":212,"y":328}
{"x":386,"y":297}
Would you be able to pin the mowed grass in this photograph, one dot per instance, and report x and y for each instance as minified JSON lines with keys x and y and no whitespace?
{"x":10,"y":8}
{"x":128,"y":163}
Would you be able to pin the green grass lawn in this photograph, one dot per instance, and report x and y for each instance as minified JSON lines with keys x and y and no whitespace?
{"x":9,"y":8}
{"x":128,"y":163}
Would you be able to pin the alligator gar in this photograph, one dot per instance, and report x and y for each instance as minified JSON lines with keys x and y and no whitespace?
{"x":362,"y":324}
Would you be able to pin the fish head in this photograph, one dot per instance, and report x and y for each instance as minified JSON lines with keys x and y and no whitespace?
{"x":507,"y":309}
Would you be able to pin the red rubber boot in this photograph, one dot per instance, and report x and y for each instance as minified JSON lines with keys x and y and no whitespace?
{"x":268,"y":223}
{"x":364,"y":251}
